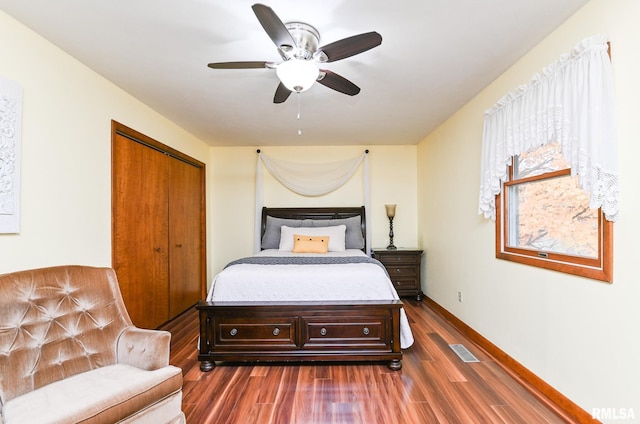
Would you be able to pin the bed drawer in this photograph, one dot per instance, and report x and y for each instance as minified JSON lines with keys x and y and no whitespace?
{"x":330,"y":332}
{"x":366,"y":330}
{"x":263,"y":332}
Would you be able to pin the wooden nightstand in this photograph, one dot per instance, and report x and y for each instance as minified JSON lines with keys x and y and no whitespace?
{"x":403,"y":266}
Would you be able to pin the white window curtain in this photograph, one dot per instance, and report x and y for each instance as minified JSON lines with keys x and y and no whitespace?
{"x":570,"y":101}
{"x":310,"y":179}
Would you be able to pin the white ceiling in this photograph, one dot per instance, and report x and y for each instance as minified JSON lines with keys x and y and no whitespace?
{"x":434,"y":57}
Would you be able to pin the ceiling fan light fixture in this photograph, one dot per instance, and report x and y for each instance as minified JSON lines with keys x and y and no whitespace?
{"x":297,"y":44}
{"x":298,"y":75}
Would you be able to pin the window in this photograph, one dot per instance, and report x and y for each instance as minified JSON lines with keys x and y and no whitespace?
{"x":543,"y":218}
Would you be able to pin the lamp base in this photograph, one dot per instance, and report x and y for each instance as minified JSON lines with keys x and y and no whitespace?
{"x":391,"y":246}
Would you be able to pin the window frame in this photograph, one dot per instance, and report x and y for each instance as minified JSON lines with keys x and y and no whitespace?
{"x":600,"y":268}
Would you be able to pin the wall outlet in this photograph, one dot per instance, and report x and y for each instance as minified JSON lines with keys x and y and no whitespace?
{"x":460,"y":296}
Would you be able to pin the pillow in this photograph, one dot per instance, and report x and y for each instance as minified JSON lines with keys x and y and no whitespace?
{"x":353,"y":235}
{"x":310,"y":244}
{"x":271,"y":236}
{"x":336,"y":236}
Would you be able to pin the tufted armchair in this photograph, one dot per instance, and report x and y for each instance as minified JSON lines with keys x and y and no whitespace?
{"x":69,"y":353}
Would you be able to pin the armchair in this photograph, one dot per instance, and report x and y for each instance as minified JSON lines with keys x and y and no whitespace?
{"x":70,"y":353}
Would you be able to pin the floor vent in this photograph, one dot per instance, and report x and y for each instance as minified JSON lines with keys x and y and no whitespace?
{"x":463,"y":353}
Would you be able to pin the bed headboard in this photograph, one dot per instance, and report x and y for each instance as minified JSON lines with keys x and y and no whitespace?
{"x":315,"y":213}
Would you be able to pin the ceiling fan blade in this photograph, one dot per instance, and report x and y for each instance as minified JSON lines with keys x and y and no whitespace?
{"x":238,"y":65}
{"x":351,"y":46}
{"x":338,"y":83}
{"x":273,"y":25}
{"x":282,"y":94}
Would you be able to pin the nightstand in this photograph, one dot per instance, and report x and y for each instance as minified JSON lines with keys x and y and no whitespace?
{"x":403,"y":266}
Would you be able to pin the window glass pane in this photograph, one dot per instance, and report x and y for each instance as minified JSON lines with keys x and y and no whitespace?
{"x":547,"y":158}
{"x":552,"y":215}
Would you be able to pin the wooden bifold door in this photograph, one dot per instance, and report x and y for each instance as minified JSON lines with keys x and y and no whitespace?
{"x":158,"y":227}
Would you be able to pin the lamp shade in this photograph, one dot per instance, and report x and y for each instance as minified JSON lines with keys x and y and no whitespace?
{"x":298,"y":75}
{"x":391,"y":210}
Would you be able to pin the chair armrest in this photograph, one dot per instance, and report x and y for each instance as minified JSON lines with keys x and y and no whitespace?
{"x":144,"y":349}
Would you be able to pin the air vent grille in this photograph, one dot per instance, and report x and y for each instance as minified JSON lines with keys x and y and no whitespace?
{"x":463,"y":353}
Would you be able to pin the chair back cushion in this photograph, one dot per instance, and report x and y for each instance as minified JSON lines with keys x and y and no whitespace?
{"x":57,"y":322}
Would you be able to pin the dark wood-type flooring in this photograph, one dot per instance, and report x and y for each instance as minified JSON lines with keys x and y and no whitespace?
{"x":434,"y":385}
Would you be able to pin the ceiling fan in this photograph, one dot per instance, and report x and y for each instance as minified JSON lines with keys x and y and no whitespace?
{"x":297,"y":44}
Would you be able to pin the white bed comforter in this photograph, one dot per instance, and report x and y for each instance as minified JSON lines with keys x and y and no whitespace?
{"x":357,"y":281}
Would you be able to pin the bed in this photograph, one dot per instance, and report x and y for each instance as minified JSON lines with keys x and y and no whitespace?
{"x":314,"y":296}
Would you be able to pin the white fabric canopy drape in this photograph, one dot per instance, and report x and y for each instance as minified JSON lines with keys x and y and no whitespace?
{"x":570,"y":101}
{"x":311,"y":179}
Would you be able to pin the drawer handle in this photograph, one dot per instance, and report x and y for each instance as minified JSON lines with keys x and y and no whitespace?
{"x":398,"y":283}
{"x":365,"y":331}
{"x":397,"y":269}
{"x":323,"y":331}
{"x":233,"y":331}
{"x":276,"y":331}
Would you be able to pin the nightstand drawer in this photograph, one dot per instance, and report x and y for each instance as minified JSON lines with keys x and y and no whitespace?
{"x":390,"y":259}
{"x":402,"y":270}
{"x":405,"y":284}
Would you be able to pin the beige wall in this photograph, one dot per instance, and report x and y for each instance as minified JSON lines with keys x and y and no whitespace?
{"x":393,"y":173}
{"x":66,"y":152}
{"x":579,"y":335}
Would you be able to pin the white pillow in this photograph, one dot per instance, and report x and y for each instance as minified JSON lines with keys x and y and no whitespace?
{"x":336,"y":236}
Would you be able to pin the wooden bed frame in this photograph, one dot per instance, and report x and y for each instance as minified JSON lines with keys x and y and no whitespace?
{"x":301,"y":331}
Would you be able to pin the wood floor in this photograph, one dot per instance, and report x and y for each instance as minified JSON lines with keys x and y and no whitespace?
{"x":434,"y":385}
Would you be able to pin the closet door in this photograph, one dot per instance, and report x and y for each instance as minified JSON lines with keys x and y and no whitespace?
{"x":140,"y":230}
{"x":185,"y":241}
{"x":159,"y":232}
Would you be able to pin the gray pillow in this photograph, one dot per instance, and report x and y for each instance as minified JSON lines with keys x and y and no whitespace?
{"x":271,"y":236}
{"x":353,"y":236}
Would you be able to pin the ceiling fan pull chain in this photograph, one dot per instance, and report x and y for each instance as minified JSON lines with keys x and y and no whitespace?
{"x":299,"y":127}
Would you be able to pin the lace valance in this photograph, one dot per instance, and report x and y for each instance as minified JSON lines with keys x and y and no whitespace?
{"x":571,"y":101}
